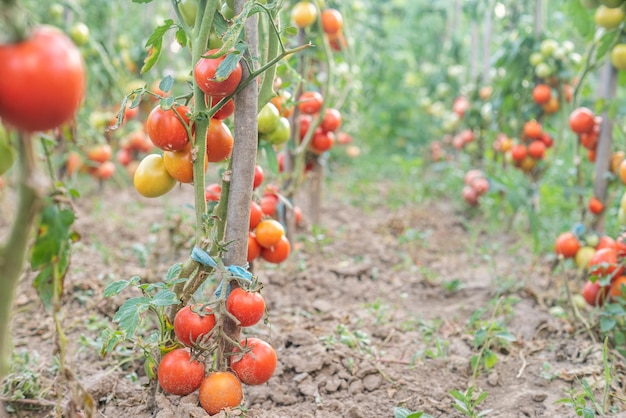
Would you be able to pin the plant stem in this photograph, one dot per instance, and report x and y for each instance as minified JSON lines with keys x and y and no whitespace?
{"x":13,"y":252}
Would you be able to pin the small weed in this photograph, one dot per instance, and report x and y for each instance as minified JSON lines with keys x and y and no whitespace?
{"x":23,"y":381}
{"x":357,"y":340}
{"x":467,"y":402}
{"x":399,"y":412}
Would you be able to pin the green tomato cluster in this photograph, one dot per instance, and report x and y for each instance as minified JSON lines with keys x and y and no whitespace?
{"x":272,"y":127}
{"x":551,"y":56}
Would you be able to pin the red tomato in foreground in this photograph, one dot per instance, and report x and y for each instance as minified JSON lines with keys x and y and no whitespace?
{"x":247,"y":307}
{"x":581,"y":120}
{"x":278,"y":252}
{"x":178,"y":374}
{"x":220,"y":390}
{"x":219,"y":141}
{"x":254,"y":249}
{"x":256,"y":214}
{"x":604,"y":263}
{"x":204,"y":74}
{"x":256,"y":366}
{"x":190,"y":327}
{"x":593,"y":293}
{"x":212,"y":192}
{"x":165,"y":130}
{"x":42,"y":80}
{"x":566,"y":244}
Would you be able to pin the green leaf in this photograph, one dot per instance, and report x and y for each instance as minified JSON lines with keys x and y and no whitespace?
{"x":45,"y":286}
{"x":167,"y":83}
{"x":159,"y":32}
{"x":173,"y":272}
{"x":155,"y":45}
{"x":228,"y":65}
{"x":490,"y":359}
{"x":399,"y":412}
{"x":220,"y":25}
{"x":607,"y":323}
{"x":165,"y":297}
{"x":52,"y":236}
{"x":270,"y":155}
{"x":506,"y":336}
{"x":479,"y":337}
{"x":181,"y":37}
{"x":128,"y":315}
{"x":588,"y":413}
{"x":117,"y":286}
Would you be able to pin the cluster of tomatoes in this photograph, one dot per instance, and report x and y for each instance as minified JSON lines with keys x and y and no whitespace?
{"x":252,"y":362}
{"x":610,"y":14}
{"x":531,"y":147}
{"x":304,"y":14}
{"x":475,"y":185}
{"x":602,"y":257}
{"x":550,"y":62}
{"x":586,"y":125}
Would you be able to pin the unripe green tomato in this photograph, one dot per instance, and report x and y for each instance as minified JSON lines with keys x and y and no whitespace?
{"x":56,"y":11}
{"x":268,"y":118}
{"x":151,"y":177}
{"x":79,"y":32}
{"x":227,"y":11}
{"x":543,"y":70}
{"x":608,"y":18}
{"x":189,"y":10}
{"x":612,"y":3}
{"x":281,"y":134}
{"x":535,"y":59}
{"x":583,"y":255}
{"x":618,"y":56}
{"x":231,"y":4}
{"x":214,"y":40}
{"x":547,"y":47}
{"x":589,"y":4}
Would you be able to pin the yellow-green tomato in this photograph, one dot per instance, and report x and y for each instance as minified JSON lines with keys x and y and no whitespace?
{"x":303,"y":14}
{"x":281,"y":134}
{"x":228,"y":12}
{"x":268,"y":118}
{"x":189,"y":10}
{"x":583,"y":255}
{"x":215,"y":42}
{"x":618,"y":56}
{"x":79,"y":32}
{"x":608,"y":18}
{"x":151,"y":177}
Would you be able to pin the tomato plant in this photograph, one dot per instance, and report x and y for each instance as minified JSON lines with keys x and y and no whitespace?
{"x":42,"y":80}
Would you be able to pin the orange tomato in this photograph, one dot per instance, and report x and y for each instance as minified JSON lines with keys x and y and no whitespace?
{"x":220,"y":390}
{"x":269,"y":232}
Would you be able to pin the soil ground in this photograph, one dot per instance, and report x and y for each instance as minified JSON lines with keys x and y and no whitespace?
{"x":374,"y":310}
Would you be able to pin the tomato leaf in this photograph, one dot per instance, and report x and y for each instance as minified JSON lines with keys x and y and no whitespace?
{"x":229,"y":63}
{"x":181,"y":37}
{"x":166,"y":84}
{"x":220,"y":25}
{"x":173,"y":272}
{"x":270,"y":155}
{"x":165,"y":297}
{"x":155,"y":45}
{"x":117,"y":286}
{"x":406,"y":413}
{"x":490,"y":360}
{"x":128,"y":315}
{"x":607,"y":323}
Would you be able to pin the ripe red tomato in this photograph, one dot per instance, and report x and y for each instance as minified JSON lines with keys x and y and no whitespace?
{"x":124,"y":156}
{"x":593,"y":293}
{"x":212,"y":192}
{"x":566,"y":244}
{"x":247,"y":307}
{"x":42,"y":80}
{"x":254,"y":249}
{"x":99,"y":153}
{"x":256,"y":214}
{"x":322,"y":141}
{"x":165,"y":130}
{"x":310,"y":102}
{"x":278,"y":252}
{"x":518,"y":152}
{"x":257,"y":366}
{"x":105,"y":170}
{"x":268,"y":205}
{"x":220,"y":390}
{"x":180,"y":164}
{"x":178,"y":374}
{"x":225,"y":111}
{"x":219,"y":141}
{"x":190,"y":326}
{"x":581,"y":120}
{"x":204,"y":74}
{"x":617,"y":287}
{"x":604,"y":263}
{"x":532,"y":129}
{"x":606,"y":241}
{"x":139,"y":141}
{"x":331,"y":121}
{"x":258,"y":176}
{"x":305,"y":123}
{"x":332,"y":21}
{"x":537,"y":149}
{"x":542,"y":94}
{"x":595,"y":206}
